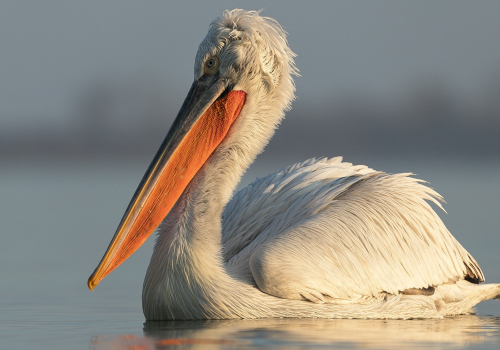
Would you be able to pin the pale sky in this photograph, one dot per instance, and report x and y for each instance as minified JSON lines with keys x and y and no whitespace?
{"x":51,"y":50}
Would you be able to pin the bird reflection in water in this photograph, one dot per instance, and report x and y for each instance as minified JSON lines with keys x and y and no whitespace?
{"x":224,"y":334}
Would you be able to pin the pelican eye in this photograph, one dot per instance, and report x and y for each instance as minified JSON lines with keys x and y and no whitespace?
{"x":211,"y":65}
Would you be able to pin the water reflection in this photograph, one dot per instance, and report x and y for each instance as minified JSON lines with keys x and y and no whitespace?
{"x":305,"y":333}
{"x":73,"y":208}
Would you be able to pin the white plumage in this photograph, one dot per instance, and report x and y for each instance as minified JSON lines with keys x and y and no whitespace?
{"x":321,"y":238}
{"x":353,"y":231}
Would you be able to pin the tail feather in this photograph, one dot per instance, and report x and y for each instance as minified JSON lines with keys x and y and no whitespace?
{"x":498,"y":293}
{"x":459,"y":298}
{"x":491,"y":292}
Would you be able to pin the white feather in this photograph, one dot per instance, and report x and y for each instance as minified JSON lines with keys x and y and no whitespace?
{"x":321,"y":238}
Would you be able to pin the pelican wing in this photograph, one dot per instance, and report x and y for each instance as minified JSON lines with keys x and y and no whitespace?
{"x":328,"y":230}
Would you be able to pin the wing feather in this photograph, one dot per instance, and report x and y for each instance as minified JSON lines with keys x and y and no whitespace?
{"x":341,"y":230}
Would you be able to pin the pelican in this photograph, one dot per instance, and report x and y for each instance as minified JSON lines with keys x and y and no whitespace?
{"x":323,"y":238}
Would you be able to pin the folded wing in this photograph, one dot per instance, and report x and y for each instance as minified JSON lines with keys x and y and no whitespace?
{"x":325,"y":230}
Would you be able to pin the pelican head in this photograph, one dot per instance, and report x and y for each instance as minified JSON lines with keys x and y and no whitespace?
{"x":243,"y":84}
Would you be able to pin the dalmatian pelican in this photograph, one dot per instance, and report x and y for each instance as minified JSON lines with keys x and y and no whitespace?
{"x":323,"y":238}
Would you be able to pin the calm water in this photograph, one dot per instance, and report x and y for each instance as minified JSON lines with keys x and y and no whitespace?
{"x":57,"y":218}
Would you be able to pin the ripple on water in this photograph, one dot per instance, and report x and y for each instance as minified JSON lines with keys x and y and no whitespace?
{"x":464,"y":331}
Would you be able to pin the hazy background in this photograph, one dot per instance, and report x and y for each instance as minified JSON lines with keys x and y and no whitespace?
{"x":105,"y":79}
{"x":89,"y":89}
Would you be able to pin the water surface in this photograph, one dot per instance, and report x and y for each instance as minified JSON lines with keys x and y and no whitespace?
{"x":56,"y":220}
